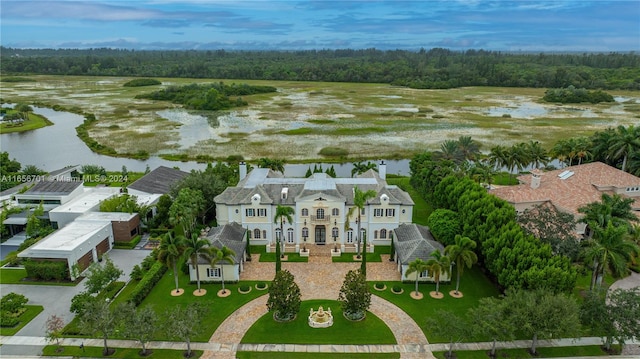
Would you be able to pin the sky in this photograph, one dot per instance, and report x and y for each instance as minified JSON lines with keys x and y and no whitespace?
{"x":521,"y":25}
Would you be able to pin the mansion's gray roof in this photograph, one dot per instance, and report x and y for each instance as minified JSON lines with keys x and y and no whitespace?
{"x":414,"y":241}
{"x":269,"y":185}
{"x":62,"y":188}
{"x":158,"y":181}
{"x":231,"y":235}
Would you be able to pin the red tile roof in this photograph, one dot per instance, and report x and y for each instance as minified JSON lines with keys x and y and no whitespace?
{"x":585,"y":185}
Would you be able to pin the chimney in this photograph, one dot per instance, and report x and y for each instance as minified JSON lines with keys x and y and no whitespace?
{"x":243,"y":170}
{"x":382,"y":170}
{"x":535,"y":178}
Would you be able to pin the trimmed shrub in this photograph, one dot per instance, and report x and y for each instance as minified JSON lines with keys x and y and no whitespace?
{"x":379,"y":286}
{"x":147,"y":283}
{"x":8,"y":319}
{"x":128,"y":245}
{"x":396,"y":289}
{"x":136,"y":273}
{"x":261,"y":285}
{"x":47,"y":270}
{"x":12,"y":303}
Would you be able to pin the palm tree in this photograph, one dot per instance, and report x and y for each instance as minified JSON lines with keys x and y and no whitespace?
{"x":418,"y":266}
{"x":361,"y":167}
{"x":461,"y":254}
{"x":609,"y":249}
{"x":360,"y":199}
{"x":449,"y":150}
{"x":483,"y":172}
{"x":625,"y":142}
{"x":273,"y":164}
{"x":469,"y":148}
{"x":222,"y":255}
{"x":583,"y":145}
{"x":196,"y":248}
{"x":537,"y":154}
{"x":614,"y":209}
{"x":498,"y":157}
{"x":283,"y":213}
{"x":170,"y":251}
{"x":439,"y":264}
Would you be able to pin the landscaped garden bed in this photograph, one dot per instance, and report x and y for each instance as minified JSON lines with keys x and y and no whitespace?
{"x":125,"y":353}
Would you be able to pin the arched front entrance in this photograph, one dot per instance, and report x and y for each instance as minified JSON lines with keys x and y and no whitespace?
{"x":321,"y":235}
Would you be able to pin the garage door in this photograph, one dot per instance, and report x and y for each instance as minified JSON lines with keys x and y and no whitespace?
{"x":102,"y":247}
{"x":85,"y":261}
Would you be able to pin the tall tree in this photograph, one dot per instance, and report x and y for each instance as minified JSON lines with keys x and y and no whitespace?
{"x":360,"y":199}
{"x":492,"y":318}
{"x":283,"y":214}
{"x":139,"y":324}
{"x":222,"y":256}
{"x":284,"y":296}
{"x":170,"y":251}
{"x":417,"y":266}
{"x":354,"y":296}
{"x":98,"y":319}
{"x":462,"y":255}
{"x":185,"y":322}
{"x":614,"y":209}
{"x":625,"y":142}
{"x":449,"y":150}
{"x":453,"y":327}
{"x":196,"y":249}
{"x":99,"y":276}
{"x":273,"y":164}
{"x":438,"y":264}
{"x":468,"y":148}
{"x":609,"y":249}
{"x":361,"y":167}
{"x":185,"y":210}
{"x":537,"y":154}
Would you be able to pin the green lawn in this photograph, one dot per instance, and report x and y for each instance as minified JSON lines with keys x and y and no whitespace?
{"x":421,"y":209}
{"x":371,"y":330}
{"x":280,"y":355}
{"x":96,"y":352}
{"x":34,"y":122}
{"x":31,"y":312}
{"x":522,"y":353}
{"x":473,"y":284}
{"x":371,"y":257}
{"x":505,"y":179}
{"x":17,"y":276}
{"x":219,"y":308}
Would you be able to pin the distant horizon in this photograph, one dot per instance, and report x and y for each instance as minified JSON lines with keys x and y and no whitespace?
{"x":525,"y":26}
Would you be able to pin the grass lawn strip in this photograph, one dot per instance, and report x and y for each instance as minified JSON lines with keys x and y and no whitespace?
{"x":31,"y":312}
{"x":371,"y":330}
{"x":219,"y":308}
{"x":523,"y":353}
{"x":17,"y":275}
{"x":34,"y":122}
{"x":421,"y":209}
{"x":281,"y":355}
{"x":96,"y":352}
{"x":474,"y":284}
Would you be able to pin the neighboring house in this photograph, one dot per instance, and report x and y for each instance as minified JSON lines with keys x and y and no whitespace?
{"x":320,"y":203}
{"x":234,"y":237}
{"x":570,"y":188}
{"x":88,"y":201}
{"x":50,"y":193}
{"x":411,"y":242}
{"x":150,"y":187}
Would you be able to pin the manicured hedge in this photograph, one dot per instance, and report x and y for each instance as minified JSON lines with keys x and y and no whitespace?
{"x":47,"y":270}
{"x":147,"y":283}
{"x":128,"y":245}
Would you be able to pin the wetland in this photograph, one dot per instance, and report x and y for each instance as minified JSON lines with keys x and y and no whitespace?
{"x":367,"y":121}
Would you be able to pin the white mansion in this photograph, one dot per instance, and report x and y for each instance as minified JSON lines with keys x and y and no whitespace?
{"x":320,"y":204}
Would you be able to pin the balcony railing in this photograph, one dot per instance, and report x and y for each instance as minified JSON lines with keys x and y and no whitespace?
{"x":320,"y":219}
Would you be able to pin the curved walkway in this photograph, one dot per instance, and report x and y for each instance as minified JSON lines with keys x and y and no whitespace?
{"x":322,"y":279}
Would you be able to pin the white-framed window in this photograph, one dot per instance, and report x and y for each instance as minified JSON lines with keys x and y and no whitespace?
{"x":262,"y":212}
{"x":290,"y":235}
{"x":390,"y":212}
{"x":320,"y":213}
{"x":214,"y":272}
{"x":375,"y":234}
{"x":305,"y":232}
{"x":278,"y":234}
{"x":383,"y":234}
{"x":350,"y":236}
{"x":377,"y":212}
{"x":256,"y":233}
{"x":335,"y":212}
{"x":424,"y":274}
{"x":363,"y":233}
{"x":250,"y":212}
{"x":264,"y":234}
{"x":305,"y":212}
{"x":362,"y":212}
{"x":335,"y":232}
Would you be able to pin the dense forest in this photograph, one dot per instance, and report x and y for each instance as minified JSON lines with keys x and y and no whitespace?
{"x":435,"y":68}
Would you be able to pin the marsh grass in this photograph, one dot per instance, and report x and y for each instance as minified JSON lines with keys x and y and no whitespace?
{"x":370,"y":120}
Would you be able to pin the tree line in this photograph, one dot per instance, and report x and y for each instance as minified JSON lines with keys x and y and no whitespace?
{"x":434,"y":68}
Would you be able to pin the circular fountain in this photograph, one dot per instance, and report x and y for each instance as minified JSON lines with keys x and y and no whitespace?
{"x":320,"y":318}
